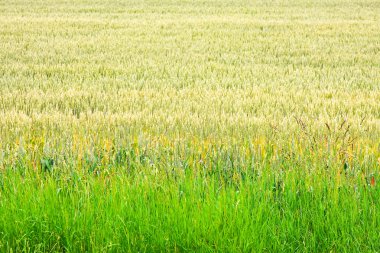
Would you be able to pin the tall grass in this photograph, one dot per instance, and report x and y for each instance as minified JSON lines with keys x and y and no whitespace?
{"x":149,"y":126}
{"x":208,"y":205}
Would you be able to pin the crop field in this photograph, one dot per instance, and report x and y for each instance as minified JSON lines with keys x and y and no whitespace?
{"x":189,"y":126}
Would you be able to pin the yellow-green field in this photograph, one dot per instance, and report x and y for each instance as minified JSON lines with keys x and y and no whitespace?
{"x":201,"y":126}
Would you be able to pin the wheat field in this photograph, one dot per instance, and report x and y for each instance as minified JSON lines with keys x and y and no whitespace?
{"x":189,"y":126}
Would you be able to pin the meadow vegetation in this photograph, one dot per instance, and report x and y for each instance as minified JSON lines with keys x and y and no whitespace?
{"x":201,"y":126}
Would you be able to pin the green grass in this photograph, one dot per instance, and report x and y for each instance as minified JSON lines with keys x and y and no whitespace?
{"x":189,"y":126}
{"x":268,"y":209}
{"x":164,"y":202}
